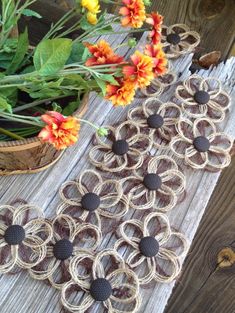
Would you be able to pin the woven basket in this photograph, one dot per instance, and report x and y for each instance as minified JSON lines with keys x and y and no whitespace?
{"x":31,"y":155}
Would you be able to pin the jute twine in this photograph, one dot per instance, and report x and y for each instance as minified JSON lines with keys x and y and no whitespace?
{"x":135,"y":259}
{"x":189,"y":40}
{"x":218,"y":155}
{"x":83,"y":236}
{"x":120,"y":278}
{"x":38,"y":233}
{"x":102,"y":156}
{"x":165,"y":197}
{"x":170,"y":113}
{"x":214,"y":109}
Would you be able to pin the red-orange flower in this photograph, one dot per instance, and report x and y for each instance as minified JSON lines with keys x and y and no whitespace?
{"x":123,"y":94}
{"x":155,"y":20}
{"x":141,"y":71}
{"x":102,"y":53}
{"x":60,"y":131}
{"x":159,"y":58}
{"x":133,"y":12}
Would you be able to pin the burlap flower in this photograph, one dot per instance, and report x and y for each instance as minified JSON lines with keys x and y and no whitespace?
{"x":123,"y":149}
{"x":161,"y":83}
{"x":157,"y":185}
{"x":201,"y":145}
{"x":91,"y":198}
{"x":148,"y":250}
{"x":107,"y":284}
{"x":68,"y":240}
{"x":23,"y":237}
{"x":203,"y":97}
{"x":157,"y":120}
{"x":178,"y":40}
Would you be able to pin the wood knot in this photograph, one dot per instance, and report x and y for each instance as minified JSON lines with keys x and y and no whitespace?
{"x":226,"y":258}
{"x":211,"y":8}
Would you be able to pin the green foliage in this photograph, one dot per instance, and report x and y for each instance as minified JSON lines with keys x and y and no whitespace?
{"x":29,"y":12}
{"x":5,"y":106}
{"x":71,"y":107}
{"x":51,"y":55}
{"x":79,"y":53}
{"x":21,"y":50}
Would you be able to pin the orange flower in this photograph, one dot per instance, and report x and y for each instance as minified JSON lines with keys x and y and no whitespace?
{"x":123,"y":94}
{"x":155,"y":20}
{"x":142,"y":69}
{"x":60,"y":131}
{"x":133,"y":12}
{"x":102,"y":54}
{"x":159,"y":58}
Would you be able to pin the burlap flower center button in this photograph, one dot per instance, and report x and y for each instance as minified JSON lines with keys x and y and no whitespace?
{"x":100,"y":289}
{"x":202,"y":97}
{"x":155,"y":121}
{"x":63,"y":249}
{"x":90,"y":201}
{"x":120,"y":147}
{"x":14,"y":235}
{"x":152,"y":181}
{"x":201,"y":144}
{"x":149,"y":246}
{"x":174,"y":39}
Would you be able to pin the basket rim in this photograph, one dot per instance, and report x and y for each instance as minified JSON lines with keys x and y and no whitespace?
{"x":36,"y":141}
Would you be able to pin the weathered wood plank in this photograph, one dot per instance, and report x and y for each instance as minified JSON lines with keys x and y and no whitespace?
{"x":42,"y":190}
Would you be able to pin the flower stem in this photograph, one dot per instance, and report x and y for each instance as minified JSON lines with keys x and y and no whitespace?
{"x":10,"y":134}
{"x":89,"y":123}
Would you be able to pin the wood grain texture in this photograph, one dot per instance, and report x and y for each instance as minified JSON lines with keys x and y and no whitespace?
{"x":206,"y":285}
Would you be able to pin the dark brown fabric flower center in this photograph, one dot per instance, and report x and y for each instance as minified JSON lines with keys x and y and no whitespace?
{"x":202,"y":97}
{"x":120,"y":147}
{"x":63,"y":249}
{"x":90,"y":201}
{"x":155,"y":121}
{"x":152,"y":181}
{"x":100,"y":289}
{"x":14,"y":235}
{"x":174,"y":39}
{"x":149,"y":246}
{"x":201,"y":144}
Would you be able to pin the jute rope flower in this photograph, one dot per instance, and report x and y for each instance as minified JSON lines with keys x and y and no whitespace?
{"x":160,"y":83}
{"x":148,"y":249}
{"x":108,"y":284}
{"x":201,"y":145}
{"x":68,"y":240}
{"x":178,"y":40}
{"x":157,"y":119}
{"x":157,"y":185}
{"x":23,"y":237}
{"x":203,"y":97}
{"x":91,"y":197}
{"x":123,"y":149}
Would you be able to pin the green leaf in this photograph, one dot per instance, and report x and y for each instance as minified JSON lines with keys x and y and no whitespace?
{"x":77,"y":54}
{"x":28,"y":12}
{"x":85,"y":25}
{"x":10,"y":95}
{"x":102,"y":85}
{"x":109,"y":78}
{"x":21,"y":50}
{"x":71,"y":108}
{"x":51,"y":55}
{"x":4,"y":105}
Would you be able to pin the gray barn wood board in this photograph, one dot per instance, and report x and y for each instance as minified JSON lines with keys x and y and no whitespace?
{"x":20,"y":294}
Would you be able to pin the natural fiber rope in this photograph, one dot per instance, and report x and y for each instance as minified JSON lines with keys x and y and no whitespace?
{"x":164,"y":253}
{"x":98,"y":271}
{"x":185,"y":94}
{"x":102,"y":156}
{"x":32,"y":227}
{"x":183,"y":47}
{"x":190,"y":150}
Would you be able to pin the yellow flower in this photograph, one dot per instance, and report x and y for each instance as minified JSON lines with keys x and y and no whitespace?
{"x":92,"y":6}
{"x":92,"y":18}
